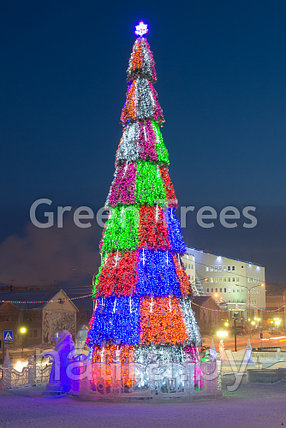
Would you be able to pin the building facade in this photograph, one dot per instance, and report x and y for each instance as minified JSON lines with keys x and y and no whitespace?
{"x":234,"y":284}
{"x":45,"y":313}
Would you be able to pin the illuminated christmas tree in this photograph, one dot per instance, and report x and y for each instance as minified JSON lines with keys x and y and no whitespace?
{"x":142,"y":293}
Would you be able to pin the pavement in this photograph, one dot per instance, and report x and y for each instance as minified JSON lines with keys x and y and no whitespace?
{"x":251,"y":406}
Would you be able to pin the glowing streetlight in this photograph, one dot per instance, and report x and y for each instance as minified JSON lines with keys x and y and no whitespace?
{"x":222,"y":334}
{"x":226,"y":324}
{"x":23,"y":330}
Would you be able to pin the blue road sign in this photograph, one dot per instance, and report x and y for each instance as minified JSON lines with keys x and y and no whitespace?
{"x":8,"y":335}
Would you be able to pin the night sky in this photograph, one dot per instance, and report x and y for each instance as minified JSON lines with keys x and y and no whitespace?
{"x":221,"y":81}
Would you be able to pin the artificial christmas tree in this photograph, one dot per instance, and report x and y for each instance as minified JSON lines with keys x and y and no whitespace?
{"x":142,"y":293}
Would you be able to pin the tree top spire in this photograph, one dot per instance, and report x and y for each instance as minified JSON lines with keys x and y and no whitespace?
{"x":141,"y":29}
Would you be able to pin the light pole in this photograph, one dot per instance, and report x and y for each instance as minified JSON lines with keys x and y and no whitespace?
{"x":249,"y":293}
{"x":23,"y":330}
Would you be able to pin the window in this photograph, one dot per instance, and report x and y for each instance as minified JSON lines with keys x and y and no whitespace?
{"x":229,"y":279}
{"x":228,"y":268}
{"x":212,"y":280}
{"x":220,"y":290}
{"x":233,"y":279}
{"x":233,"y":267}
{"x":207,"y":268}
{"x":224,"y":290}
{"x":211,"y":268}
{"x":237,"y":279}
{"x":216,"y":290}
{"x":208,"y":290}
{"x":212,"y":290}
{"x":224,"y":279}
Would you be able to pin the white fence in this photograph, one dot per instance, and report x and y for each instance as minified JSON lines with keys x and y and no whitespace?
{"x":120,"y":382}
{"x":134,"y":380}
{"x":31,"y":375}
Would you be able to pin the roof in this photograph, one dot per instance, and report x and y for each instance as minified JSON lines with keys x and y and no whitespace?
{"x":219,"y":255}
{"x":39,"y":298}
{"x":206,"y":301}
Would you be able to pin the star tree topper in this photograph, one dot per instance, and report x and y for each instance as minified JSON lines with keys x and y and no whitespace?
{"x":141,"y":29}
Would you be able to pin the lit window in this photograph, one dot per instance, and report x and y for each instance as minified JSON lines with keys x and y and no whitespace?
{"x":207,"y":268}
{"x":212,"y":280}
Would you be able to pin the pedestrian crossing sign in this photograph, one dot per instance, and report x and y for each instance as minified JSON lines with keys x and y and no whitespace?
{"x":8,"y":335}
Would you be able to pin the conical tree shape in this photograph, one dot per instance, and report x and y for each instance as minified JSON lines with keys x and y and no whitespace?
{"x":142,"y":292}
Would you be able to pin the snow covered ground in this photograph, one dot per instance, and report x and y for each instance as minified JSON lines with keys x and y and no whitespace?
{"x":250,"y":407}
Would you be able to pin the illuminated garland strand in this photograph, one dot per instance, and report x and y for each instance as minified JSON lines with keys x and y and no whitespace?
{"x":149,"y":185}
{"x":113,"y":322}
{"x":142,"y":140}
{"x":27,"y":302}
{"x":162,"y":152}
{"x":155,"y":276}
{"x":141,"y":62}
{"x":175,"y":234}
{"x":141,"y":103}
{"x":121,"y":232}
{"x":162,"y":326}
{"x":153,"y":229}
{"x":193,"y":330}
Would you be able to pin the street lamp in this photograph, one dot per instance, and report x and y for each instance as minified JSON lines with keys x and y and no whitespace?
{"x":222,"y":334}
{"x":277,"y":322}
{"x":23,"y":330}
{"x":249,"y":292}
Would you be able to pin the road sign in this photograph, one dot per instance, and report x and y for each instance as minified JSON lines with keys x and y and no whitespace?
{"x":8,"y":335}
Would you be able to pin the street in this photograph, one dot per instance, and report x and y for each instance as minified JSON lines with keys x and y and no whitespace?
{"x":251,"y":406}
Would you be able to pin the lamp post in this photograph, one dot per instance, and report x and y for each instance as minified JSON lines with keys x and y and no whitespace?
{"x":23,"y":330}
{"x":249,"y":293}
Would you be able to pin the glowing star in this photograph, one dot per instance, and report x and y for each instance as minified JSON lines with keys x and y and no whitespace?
{"x":141,"y":29}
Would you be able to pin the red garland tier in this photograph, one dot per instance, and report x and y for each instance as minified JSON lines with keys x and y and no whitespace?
{"x":153,"y":230}
{"x":119,"y":275}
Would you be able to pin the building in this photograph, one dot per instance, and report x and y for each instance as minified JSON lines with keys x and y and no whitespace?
{"x":45,"y":313}
{"x":276,"y":310}
{"x":236,"y":285}
{"x":207,"y":314}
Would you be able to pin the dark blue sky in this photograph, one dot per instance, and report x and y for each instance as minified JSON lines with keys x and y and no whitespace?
{"x":221,"y":81}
